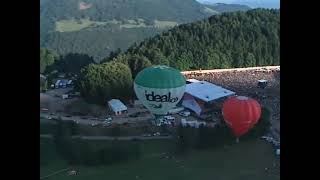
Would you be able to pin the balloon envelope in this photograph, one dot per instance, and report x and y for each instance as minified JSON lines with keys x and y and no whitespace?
{"x":159,"y":88}
{"x":241,"y":114}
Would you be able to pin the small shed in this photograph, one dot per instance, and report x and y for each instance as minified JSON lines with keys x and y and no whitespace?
{"x":117,"y":106}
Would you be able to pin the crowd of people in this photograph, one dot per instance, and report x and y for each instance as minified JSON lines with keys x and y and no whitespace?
{"x":246,"y":83}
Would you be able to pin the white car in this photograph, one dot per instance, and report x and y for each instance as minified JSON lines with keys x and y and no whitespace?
{"x":106,"y":122}
{"x":108,"y":119}
{"x":185,"y":113}
{"x":94,"y":124}
{"x":169,"y":118}
{"x":156,"y":134}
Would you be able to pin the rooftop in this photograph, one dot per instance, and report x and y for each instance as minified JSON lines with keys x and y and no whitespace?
{"x":207,"y":91}
{"x":192,"y":80}
{"x":116,"y":105}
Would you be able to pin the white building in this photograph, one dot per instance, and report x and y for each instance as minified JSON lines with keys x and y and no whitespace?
{"x":194,"y":123}
{"x":117,"y":106}
{"x":200,"y":95}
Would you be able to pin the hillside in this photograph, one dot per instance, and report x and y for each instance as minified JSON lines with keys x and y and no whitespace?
{"x":97,"y":27}
{"x":221,"y":7}
{"x":275,"y":4}
{"x":237,"y":39}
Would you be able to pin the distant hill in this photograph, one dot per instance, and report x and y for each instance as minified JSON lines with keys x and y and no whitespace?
{"x":274,"y":4}
{"x":97,"y":27}
{"x":234,"y":39}
{"x":221,"y":7}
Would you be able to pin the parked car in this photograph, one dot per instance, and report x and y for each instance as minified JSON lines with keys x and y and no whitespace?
{"x":94,"y":124}
{"x":108,"y":119}
{"x":68,"y":116}
{"x":185,"y":113}
{"x":156,"y":134}
{"x":169,"y":118}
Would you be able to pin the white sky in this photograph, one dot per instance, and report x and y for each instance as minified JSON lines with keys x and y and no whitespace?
{"x":251,"y":3}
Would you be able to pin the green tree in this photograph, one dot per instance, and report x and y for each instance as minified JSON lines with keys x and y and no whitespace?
{"x":99,"y":83}
{"x":47,"y":58}
{"x":72,"y":63}
{"x":137,"y":63}
{"x":229,"y":40}
{"x":157,"y":58}
{"x":250,"y":60}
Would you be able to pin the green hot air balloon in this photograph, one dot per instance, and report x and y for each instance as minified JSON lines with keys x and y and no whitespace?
{"x":159,"y":88}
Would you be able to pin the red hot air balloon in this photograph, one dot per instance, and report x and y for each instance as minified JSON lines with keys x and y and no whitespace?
{"x":241,"y":114}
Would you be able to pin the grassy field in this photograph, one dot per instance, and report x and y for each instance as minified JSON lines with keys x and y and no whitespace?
{"x":74,"y":25}
{"x":164,"y":24}
{"x":243,"y":161}
{"x":47,"y":126}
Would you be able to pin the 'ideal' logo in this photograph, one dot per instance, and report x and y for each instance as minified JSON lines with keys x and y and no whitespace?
{"x":158,"y":98}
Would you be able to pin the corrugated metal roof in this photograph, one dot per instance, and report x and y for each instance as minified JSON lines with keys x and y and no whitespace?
{"x":116,"y":105}
{"x":207,"y":91}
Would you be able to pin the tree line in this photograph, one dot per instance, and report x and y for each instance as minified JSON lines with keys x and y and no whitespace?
{"x":235,"y":39}
{"x":83,"y":152}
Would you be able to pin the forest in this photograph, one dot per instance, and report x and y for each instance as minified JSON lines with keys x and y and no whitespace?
{"x":234,"y":39}
{"x":229,"y":40}
{"x":108,"y":25}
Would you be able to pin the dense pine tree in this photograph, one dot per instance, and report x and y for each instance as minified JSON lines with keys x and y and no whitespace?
{"x":237,"y":39}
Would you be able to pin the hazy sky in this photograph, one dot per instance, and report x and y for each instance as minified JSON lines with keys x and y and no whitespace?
{"x":251,"y":3}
